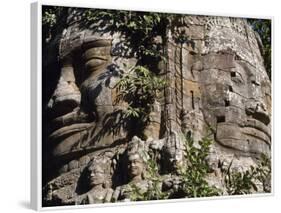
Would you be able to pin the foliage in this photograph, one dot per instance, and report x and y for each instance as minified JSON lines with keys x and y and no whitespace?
{"x":139,"y":28}
{"x":263,"y":28}
{"x":141,"y":85}
{"x":50,"y":17}
{"x":194,"y":174}
{"x":140,"y":88}
{"x":238,"y":183}
{"x":145,"y":32}
{"x":263,"y":171}
{"x":245,"y":182}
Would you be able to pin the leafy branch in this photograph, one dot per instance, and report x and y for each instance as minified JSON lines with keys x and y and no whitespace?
{"x":50,"y":17}
{"x":245,"y":182}
{"x":139,"y":88}
{"x":194,"y":174}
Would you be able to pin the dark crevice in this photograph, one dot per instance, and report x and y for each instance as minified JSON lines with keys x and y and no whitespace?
{"x":192,"y":99}
{"x":220,"y":119}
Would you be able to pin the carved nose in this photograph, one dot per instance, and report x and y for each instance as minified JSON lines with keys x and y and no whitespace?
{"x":66,"y":96}
{"x":258,"y":111}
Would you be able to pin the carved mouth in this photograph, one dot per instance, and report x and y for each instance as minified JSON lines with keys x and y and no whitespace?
{"x":69,"y":123}
{"x":257,"y":129}
{"x":70,"y":118}
{"x":134,"y":170}
{"x":94,"y":180}
{"x":251,"y":136}
{"x":68,"y":130}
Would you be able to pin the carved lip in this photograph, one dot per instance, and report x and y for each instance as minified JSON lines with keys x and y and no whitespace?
{"x":256,"y":124}
{"x":261,"y":131}
{"x":94,"y":179}
{"x":74,"y":117}
{"x":69,"y":130}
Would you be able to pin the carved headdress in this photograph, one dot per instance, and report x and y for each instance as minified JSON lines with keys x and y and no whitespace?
{"x":138,"y":147}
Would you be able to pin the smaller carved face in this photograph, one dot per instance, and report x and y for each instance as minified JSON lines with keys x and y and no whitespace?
{"x":135,"y":166}
{"x":97,"y":176}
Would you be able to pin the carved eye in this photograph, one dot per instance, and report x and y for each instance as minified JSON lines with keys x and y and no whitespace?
{"x":254,"y":81}
{"x":236,"y":77}
{"x":94,"y":63}
{"x":226,"y":103}
{"x":233,"y":74}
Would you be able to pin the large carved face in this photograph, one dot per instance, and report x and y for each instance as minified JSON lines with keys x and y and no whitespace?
{"x":217,"y":80}
{"x":84,"y":101}
{"x":236,"y":102}
{"x":236,"y":94}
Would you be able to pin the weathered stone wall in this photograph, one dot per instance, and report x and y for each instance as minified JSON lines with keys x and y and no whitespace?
{"x":215,"y":82}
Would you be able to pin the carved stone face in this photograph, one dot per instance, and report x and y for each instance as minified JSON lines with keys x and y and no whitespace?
{"x":84,"y":99}
{"x":236,"y":91}
{"x":214,"y":78}
{"x":221,"y":84}
{"x":97,"y":176}
{"x":236,"y":101}
{"x":135,"y":166}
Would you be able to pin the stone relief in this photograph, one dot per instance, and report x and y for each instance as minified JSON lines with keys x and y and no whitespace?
{"x":100,"y":191}
{"x":216,"y":82}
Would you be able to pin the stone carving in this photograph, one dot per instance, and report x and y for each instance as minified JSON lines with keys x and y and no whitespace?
{"x":137,"y":158}
{"x":216,"y":81}
{"x":99,"y":173}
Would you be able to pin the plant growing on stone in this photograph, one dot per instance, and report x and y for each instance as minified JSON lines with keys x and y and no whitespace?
{"x":139,"y":28}
{"x":140,"y":88}
{"x":145,"y":33}
{"x":245,"y":182}
{"x":238,"y":183}
{"x":263,"y":171}
{"x":194,"y":173}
